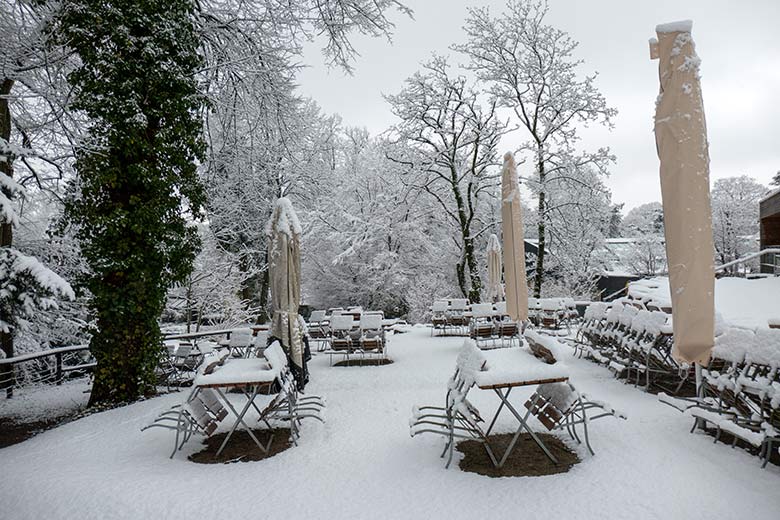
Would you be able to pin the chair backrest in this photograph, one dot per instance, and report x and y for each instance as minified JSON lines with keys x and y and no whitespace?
{"x":240,"y":339}
{"x":184,"y":350}
{"x":275,"y":356}
{"x":550,"y":304}
{"x":551,"y":402}
{"x":341,"y":322}
{"x":336,"y":312}
{"x":371,"y":322}
{"x":440,"y":306}
{"x":459,"y":305}
{"x":316,"y":316}
{"x":534,"y":304}
{"x":482,"y":310}
{"x":171,"y":350}
{"x":501,"y":308}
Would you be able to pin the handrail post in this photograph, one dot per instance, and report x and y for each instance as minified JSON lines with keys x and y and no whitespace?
{"x":58,"y":373}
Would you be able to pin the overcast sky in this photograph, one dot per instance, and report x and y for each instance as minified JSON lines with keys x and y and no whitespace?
{"x":738,"y":42}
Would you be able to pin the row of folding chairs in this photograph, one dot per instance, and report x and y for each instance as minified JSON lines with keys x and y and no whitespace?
{"x":739,"y":398}
{"x":553,"y":313}
{"x":342,"y":334}
{"x":490,"y":327}
{"x":636,"y":344}
{"x":449,"y":316}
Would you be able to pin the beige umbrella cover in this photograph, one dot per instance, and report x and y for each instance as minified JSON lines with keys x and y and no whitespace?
{"x":681,"y":140}
{"x":284,"y":270}
{"x":494,"y":292}
{"x":514,"y":248}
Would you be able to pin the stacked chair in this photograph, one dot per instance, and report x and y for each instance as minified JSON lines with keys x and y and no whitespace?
{"x":739,"y":399}
{"x":490,"y":327}
{"x":636,"y":344}
{"x":439,"y":316}
{"x":364,"y":337}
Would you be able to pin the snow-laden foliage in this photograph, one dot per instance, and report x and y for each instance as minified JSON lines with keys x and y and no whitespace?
{"x":447,"y":139}
{"x":735,"y":219}
{"x":645,"y":224}
{"x":26,"y":285}
{"x":211,"y":294}
{"x":530,"y":67}
{"x":577,"y":211}
{"x":373,"y":241}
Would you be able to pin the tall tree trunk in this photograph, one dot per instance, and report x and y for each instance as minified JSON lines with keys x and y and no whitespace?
{"x":6,"y":229}
{"x":472,"y":288}
{"x":262,"y":316}
{"x":539,"y":278}
{"x":471,"y":261}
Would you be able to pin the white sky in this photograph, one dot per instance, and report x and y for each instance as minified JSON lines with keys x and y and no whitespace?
{"x":738,"y":42}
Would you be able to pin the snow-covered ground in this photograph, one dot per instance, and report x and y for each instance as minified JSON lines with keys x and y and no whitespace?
{"x":363,"y":464}
{"x":46,"y":401}
{"x":740,"y":302}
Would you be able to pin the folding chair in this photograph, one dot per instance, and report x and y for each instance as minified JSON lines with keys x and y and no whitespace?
{"x":458,"y":418}
{"x":319,"y":330}
{"x":559,"y":406}
{"x":456,"y":315}
{"x":482,"y":328}
{"x":341,"y":339}
{"x":439,"y":315}
{"x":372,"y":334}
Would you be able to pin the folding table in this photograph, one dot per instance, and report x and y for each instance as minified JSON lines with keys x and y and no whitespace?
{"x":243,"y":373}
{"x":506,"y":369}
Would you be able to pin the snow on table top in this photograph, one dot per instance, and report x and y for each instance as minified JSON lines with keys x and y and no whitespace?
{"x":516,"y":365}
{"x":236,"y":371}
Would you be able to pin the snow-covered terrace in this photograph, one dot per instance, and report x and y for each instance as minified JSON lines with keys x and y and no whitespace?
{"x":363,"y":464}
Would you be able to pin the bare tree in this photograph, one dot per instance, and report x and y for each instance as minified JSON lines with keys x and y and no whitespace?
{"x":530,"y":67}
{"x":448,"y":142}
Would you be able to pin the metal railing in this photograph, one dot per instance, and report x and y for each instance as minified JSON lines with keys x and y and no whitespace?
{"x":774,"y":251}
{"x":52,"y":365}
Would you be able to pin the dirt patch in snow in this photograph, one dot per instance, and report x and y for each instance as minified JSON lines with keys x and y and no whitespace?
{"x":13,"y":432}
{"x":241,"y":447}
{"x":364,"y":362}
{"x":526,"y":460}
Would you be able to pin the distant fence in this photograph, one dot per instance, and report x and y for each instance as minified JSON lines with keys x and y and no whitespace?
{"x":53,"y":365}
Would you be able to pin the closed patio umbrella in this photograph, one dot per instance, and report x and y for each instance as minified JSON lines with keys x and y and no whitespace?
{"x":494,"y":291}
{"x":681,"y":140}
{"x":516,"y":286}
{"x":284,"y":270}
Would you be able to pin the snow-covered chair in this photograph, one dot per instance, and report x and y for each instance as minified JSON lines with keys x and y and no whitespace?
{"x":456,"y":315}
{"x":458,"y":418}
{"x":482,"y":327}
{"x":559,"y":406}
{"x":439,"y":315}
{"x":372,"y":334}
{"x":319,"y":330}
{"x":341,"y":338}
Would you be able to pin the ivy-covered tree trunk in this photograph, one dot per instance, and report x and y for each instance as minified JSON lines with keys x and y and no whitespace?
{"x":136,"y":174}
{"x":6,"y":228}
